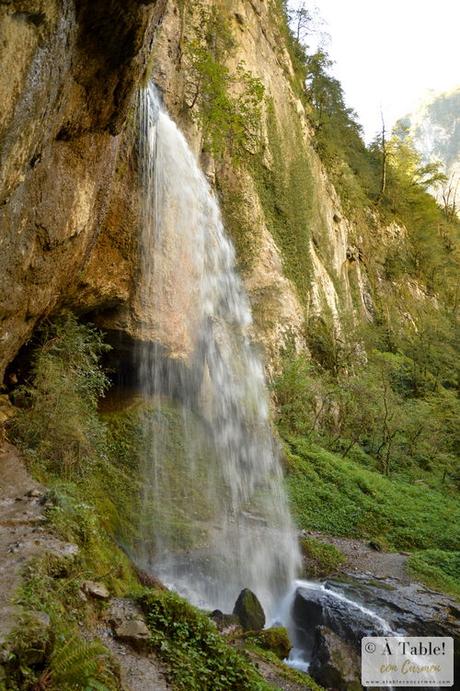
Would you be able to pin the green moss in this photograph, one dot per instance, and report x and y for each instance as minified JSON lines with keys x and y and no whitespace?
{"x":237,"y":213}
{"x":274,"y":639}
{"x":137,"y":434}
{"x":286,"y":193}
{"x":226,"y":102}
{"x":196,"y":655}
{"x":322,"y":559}
{"x":438,"y":569}
{"x":54,"y":653}
{"x":287,"y":672}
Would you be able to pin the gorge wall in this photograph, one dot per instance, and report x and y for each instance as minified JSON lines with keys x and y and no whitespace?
{"x":69,"y":204}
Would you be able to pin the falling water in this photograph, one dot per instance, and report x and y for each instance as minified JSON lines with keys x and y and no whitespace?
{"x":214,"y":516}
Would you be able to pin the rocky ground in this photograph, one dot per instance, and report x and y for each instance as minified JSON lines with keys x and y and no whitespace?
{"x":23,"y":536}
{"x":119,"y":624}
{"x":362,"y":558}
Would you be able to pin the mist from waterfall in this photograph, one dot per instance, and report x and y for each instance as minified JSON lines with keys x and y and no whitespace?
{"x":214,"y":514}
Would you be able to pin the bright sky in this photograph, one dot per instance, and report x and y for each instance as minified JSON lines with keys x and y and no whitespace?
{"x":389,"y":53}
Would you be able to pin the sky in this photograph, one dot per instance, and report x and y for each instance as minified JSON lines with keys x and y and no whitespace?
{"x":390,"y":53}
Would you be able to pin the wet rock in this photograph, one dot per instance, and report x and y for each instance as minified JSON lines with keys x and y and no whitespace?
{"x":249,"y":611}
{"x":276,"y":640}
{"x":134,"y":632}
{"x":96,"y":590}
{"x":334,"y":664}
{"x":315,"y":607}
{"x":359,"y":607}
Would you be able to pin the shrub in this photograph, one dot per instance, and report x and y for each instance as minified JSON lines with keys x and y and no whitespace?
{"x":227,"y":104}
{"x":59,"y":425}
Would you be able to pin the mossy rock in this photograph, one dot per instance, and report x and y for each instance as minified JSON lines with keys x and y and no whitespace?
{"x":249,"y":611}
{"x":320,"y":558}
{"x":276,"y":640}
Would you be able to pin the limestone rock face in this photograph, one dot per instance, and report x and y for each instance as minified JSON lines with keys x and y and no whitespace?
{"x":69,"y":73}
{"x":69,"y":179}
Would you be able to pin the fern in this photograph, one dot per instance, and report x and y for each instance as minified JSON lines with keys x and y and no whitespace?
{"x":79,"y":664}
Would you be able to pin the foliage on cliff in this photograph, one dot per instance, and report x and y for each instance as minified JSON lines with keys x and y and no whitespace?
{"x":377,"y":397}
{"x":226,"y":104}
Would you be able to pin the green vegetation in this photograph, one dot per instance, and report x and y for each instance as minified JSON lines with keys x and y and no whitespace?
{"x":196,"y":655}
{"x":66,"y":378}
{"x":438,"y":569}
{"x":93,"y":501}
{"x":321,"y":558}
{"x":274,"y":639}
{"x":391,"y":411}
{"x":47,"y":649}
{"x":226,"y":103}
{"x":341,"y":497}
{"x":285,"y":190}
{"x":286,"y":672}
{"x":133,"y":433}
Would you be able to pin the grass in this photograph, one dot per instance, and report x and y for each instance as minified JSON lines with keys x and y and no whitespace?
{"x":321,"y":559}
{"x":437,"y":569}
{"x":340,"y":497}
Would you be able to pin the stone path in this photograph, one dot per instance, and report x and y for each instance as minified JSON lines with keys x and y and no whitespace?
{"x":22,"y":533}
{"x":361,"y":558}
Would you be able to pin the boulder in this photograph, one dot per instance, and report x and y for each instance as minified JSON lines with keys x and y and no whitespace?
{"x":134,"y":632}
{"x":96,"y":590}
{"x":334,"y":663}
{"x":276,"y":640}
{"x":249,"y":611}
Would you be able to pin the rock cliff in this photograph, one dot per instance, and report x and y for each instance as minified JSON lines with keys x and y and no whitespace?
{"x":69,"y":188}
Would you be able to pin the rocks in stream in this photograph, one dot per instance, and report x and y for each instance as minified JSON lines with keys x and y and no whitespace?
{"x":249,"y":611}
{"x":342,"y":612}
{"x":313,"y":607}
{"x":334,"y":663}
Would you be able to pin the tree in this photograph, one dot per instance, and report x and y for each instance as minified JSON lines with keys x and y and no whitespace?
{"x":449,"y":194}
{"x":300,"y":20}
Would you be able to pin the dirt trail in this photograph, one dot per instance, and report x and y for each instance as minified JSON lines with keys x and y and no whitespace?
{"x":23,"y":536}
{"x":363,"y":559}
{"x":22,"y":533}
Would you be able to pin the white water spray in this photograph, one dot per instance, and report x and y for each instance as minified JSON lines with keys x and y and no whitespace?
{"x":214,"y":517}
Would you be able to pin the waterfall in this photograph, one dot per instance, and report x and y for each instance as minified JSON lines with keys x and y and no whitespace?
{"x":214,"y":514}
